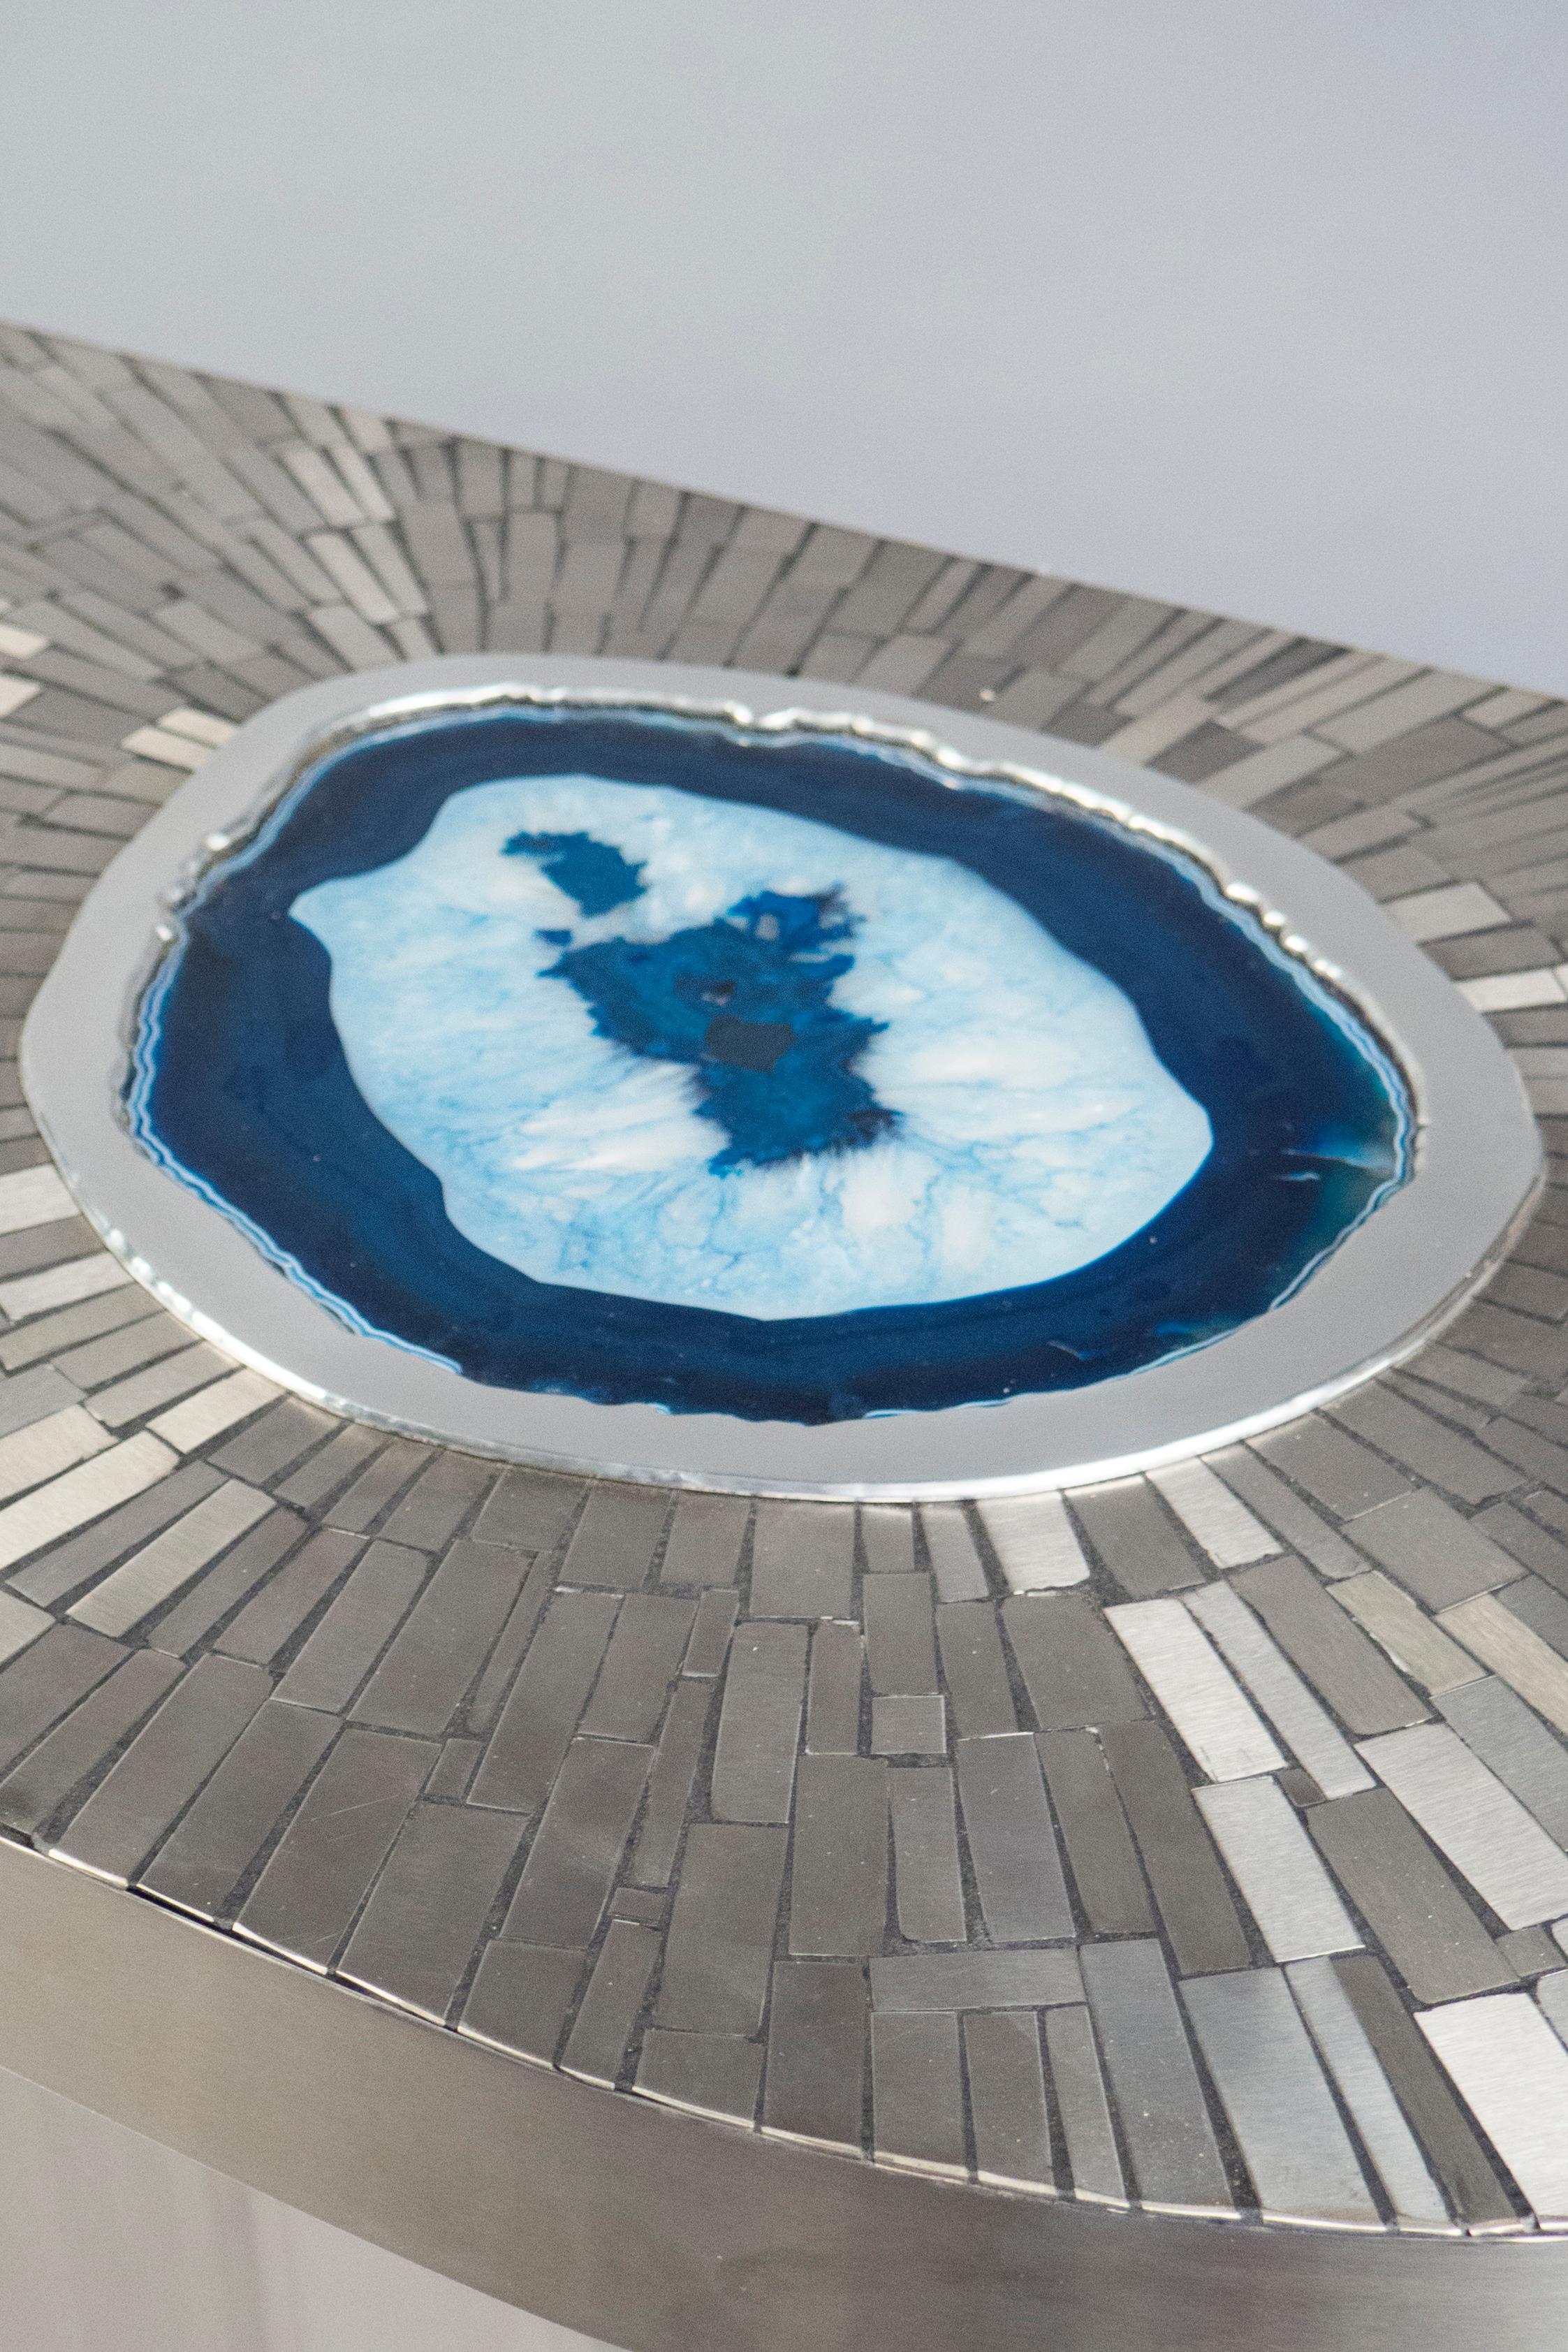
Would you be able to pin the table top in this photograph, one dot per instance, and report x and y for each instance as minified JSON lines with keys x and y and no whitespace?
{"x":1197,"y":1850}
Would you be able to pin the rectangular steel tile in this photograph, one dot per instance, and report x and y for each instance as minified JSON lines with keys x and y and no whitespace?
{"x":954,"y":1562}
{"x":69,"y":1564}
{"x":530,"y":1509}
{"x":248,"y":1794}
{"x":1311,"y":1737}
{"x":1425,"y":1542}
{"x":705,"y":1538}
{"x":1281,"y":1880}
{"x":706,"y":2074}
{"x":130,"y":1810}
{"x":306,"y":1898}
{"x":1081,"y":2102}
{"x":576,"y":1853}
{"x":268,"y":1622}
{"x":1424,"y":1443}
{"x":41,"y":1783}
{"x":917,"y":1981}
{"x":1137,"y":1539}
{"x":1190,"y":1887}
{"x":838,"y":1887}
{"x":802,"y":1559}
{"x":541,"y":1715}
{"x":816,"y":2032}
{"x":376,"y":1486}
{"x":1512,"y":2073}
{"x":456,"y":1769}
{"x":84,"y":1493}
{"x":1213,"y":1516}
{"x":325,"y":1471}
{"x":1526,"y":1663}
{"x":439,"y":1501}
{"x":361,"y":1620}
{"x":444,"y":1641}
{"x":1103,"y":1859}
{"x":719,"y":1951}
{"x":1007,"y":2100}
{"x":1175,"y":2163}
{"x":1200,"y":1694}
{"x":709,"y":1645}
{"x":1281,"y":2108}
{"x":1335,"y":1468}
{"x":420,"y":1927}
{"x":48,"y":1680}
{"x":1406,"y":1897}
{"x":596,"y":2047}
{"x":917,"y":2092}
{"x":211,"y":1410}
{"x":521,"y":1997}
{"x":269,"y":1446}
{"x":764,"y":1691}
{"x":641,"y":1661}
{"x":1011,"y":1841}
{"x":1483,"y":1829}
{"x":224,"y":1586}
{"x":887,"y":1533}
{"x":927,"y":1881}
{"x":1073,"y":1669}
{"x":975,"y":1670}
{"x":903,"y":1726}
{"x":901,"y":1653}
{"x":834,"y":1690}
{"x":1335,"y":1656}
{"x":1266,"y":1493}
{"x":616,"y":1536}
{"x":1494,"y":1722}
{"x":1535,"y":1604}
{"x":1345,"y":2050}
{"x":670,"y":1783}
{"x":1417,"y":1647}
{"x":1033,"y":1537}
{"x":537,"y":1582}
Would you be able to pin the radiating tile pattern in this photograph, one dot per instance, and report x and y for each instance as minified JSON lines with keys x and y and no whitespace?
{"x":1201,"y":1842}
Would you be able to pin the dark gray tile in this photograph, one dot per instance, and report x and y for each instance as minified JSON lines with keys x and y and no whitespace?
{"x":1165,"y":2121}
{"x":928,"y":1883}
{"x":1512,"y":1740}
{"x":581,"y":1839}
{"x":764,"y":1691}
{"x":1081,"y":2102}
{"x":670,"y":1783}
{"x":376,"y":1486}
{"x":1011,"y":1841}
{"x":1137,"y":1539}
{"x":904,"y":1726}
{"x":236,"y":1814}
{"x":1073,"y":1667}
{"x":1545,"y":1613}
{"x":230,"y":1581}
{"x":615,"y":1538}
{"x":1007,"y":2100}
{"x":1334,"y":1655}
{"x":515,"y":1634}
{"x":887,"y":1535}
{"x":446,"y":1638}
{"x":439,"y":1501}
{"x":51,"y":1677}
{"x":1190,"y":1887}
{"x":720,"y":1946}
{"x":646,"y":1904}
{"x":164,"y":1765}
{"x":40,"y":1784}
{"x":707,"y":2073}
{"x":1280,"y":1507}
{"x":975,"y":1670}
{"x":710,"y":1635}
{"x":305,"y":1900}
{"x":1335,"y":1468}
{"x":1424,"y":1445}
{"x":336,"y":1463}
{"x":816,"y":2032}
{"x":420,"y":1927}
{"x":1100,"y":1850}
{"x":276,"y":1612}
{"x":834,"y":1690}
{"x":901,"y":1651}
{"x":641,"y":1661}
{"x":1438,"y":1556}
{"x":541,"y":1715}
{"x":1531,"y":1951}
{"x":456,"y":1769}
{"x":838,"y":1887}
{"x":270,"y":1445}
{"x":706,"y":1537}
{"x":1451,"y":2147}
{"x":597,"y":2045}
{"x":521,"y":1997}
{"x":917,"y":2092}
{"x":1406,"y":1897}
{"x":345,"y":1644}
{"x":802,"y":1559}
{"x":973,"y":1979}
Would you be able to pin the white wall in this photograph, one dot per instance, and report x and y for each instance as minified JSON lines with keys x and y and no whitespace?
{"x":1255,"y":304}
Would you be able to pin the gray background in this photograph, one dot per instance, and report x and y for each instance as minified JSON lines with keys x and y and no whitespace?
{"x":1254,"y":304}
